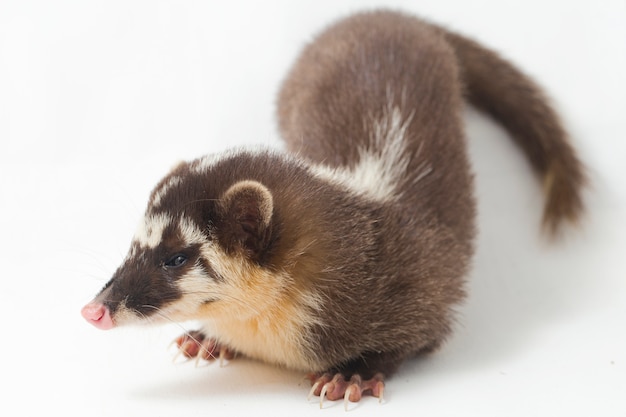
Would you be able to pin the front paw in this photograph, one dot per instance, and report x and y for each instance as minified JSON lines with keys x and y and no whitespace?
{"x":195,"y":344}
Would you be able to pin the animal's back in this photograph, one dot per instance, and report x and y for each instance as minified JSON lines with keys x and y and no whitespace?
{"x":379,"y":94}
{"x":378,"y":99}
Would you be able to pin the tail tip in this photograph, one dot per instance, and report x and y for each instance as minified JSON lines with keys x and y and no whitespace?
{"x":564,"y":201}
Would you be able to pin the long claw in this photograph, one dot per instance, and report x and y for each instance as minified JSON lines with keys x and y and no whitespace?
{"x":317,"y":384}
{"x":381,"y":391}
{"x":323,"y":394}
{"x":178,"y":355}
{"x":335,"y":387}
{"x":346,"y":397}
{"x":198,"y":360}
{"x":222,"y":356}
{"x":174,"y":342}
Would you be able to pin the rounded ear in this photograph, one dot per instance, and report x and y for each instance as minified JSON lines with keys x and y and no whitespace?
{"x":247,"y":210}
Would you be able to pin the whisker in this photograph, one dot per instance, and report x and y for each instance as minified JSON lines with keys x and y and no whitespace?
{"x":227,"y":297}
{"x":159,"y":312}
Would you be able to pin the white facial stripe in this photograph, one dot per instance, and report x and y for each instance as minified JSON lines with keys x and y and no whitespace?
{"x":172,"y":182}
{"x":194,"y":282}
{"x":196,"y":288}
{"x":190,"y":233}
{"x":203,"y":164}
{"x":150,"y":231}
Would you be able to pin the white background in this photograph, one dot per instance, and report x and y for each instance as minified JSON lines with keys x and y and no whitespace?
{"x":99,"y":98}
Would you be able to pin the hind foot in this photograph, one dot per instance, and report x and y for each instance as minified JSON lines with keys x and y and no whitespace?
{"x":337,"y":387}
{"x":195,"y":344}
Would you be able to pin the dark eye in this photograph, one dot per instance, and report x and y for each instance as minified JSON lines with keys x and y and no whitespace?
{"x":175,"y":261}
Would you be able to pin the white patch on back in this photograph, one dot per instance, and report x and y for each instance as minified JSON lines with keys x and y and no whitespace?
{"x":382,"y":165}
{"x":150,"y":230}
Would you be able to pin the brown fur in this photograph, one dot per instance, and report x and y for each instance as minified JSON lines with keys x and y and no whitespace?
{"x":351,"y":71}
{"x":399,"y":298}
{"x":304,"y":260}
{"x":498,"y":88}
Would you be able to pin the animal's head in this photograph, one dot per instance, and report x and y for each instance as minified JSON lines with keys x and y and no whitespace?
{"x":200,"y":249}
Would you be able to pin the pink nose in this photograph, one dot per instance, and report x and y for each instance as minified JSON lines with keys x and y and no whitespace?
{"x":98,"y":315}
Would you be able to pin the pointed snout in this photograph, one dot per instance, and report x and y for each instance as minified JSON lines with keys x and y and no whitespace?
{"x":98,"y":315}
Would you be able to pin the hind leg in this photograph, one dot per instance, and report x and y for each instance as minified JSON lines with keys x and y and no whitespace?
{"x":337,"y":386}
{"x":354,"y":379}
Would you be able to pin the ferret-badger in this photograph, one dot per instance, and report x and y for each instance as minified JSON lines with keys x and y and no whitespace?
{"x":346,"y":255}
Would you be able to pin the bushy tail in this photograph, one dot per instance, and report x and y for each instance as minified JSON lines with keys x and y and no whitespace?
{"x":496,"y":87}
